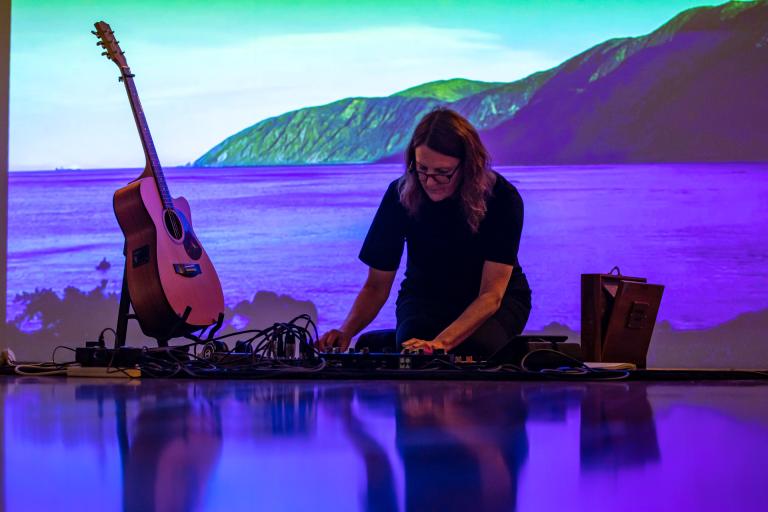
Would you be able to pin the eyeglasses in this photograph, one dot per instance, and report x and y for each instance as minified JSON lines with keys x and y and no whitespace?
{"x":441,"y":178}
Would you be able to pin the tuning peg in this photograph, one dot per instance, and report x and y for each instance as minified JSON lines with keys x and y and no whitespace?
{"x":95,"y":33}
{"x":105,"y":53}
{"x":100,"y":43}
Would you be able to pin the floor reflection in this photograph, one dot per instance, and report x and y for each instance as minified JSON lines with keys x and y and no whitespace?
{"x":380,"y":490}
{"x":379,"y":446}
{"x":617,"y":428}
{"x":469,"y":439}
{"x":167,"y":468}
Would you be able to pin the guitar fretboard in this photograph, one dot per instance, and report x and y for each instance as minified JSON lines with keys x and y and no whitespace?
{"x":146,"y":138}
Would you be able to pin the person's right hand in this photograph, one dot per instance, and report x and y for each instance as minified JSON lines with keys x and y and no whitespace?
{"x":334,"y":338}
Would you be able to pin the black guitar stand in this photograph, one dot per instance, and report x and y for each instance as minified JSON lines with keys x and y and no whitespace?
{"x":123,"y":315}
{"x":176,"y":331}
{"x":123,"y":312}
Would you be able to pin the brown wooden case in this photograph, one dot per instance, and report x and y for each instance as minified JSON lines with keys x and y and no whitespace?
{"x":618,"y":314}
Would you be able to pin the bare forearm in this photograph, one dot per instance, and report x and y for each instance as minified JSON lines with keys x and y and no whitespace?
{"x":365,"y":308}
{"x":480,"y":310}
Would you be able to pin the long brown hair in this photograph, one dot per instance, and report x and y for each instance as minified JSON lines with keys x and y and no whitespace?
{"x":445,"y":131}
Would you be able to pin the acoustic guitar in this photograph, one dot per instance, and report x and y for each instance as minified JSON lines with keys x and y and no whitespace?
{"x":171,"y":280}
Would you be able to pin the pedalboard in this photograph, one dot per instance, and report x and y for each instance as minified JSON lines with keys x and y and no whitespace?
{"x":386,"y":361}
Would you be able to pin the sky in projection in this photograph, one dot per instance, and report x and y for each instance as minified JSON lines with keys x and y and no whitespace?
{"x":206,"y":70}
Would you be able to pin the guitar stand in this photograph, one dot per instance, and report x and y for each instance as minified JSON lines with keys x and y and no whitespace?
{"x":123,"y":316}
{"x":122,"y":311}
{"x":214,"y":328}
{"x":163,"y":341}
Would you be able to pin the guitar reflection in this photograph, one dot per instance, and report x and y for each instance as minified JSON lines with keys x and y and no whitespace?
{"x":171,"y":455}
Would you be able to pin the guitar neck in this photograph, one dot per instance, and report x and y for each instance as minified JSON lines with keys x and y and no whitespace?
{"x":153,"y":162}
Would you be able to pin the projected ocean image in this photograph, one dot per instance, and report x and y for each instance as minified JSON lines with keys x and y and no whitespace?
{"x":295,"y":231}
{"x":636,"y":135}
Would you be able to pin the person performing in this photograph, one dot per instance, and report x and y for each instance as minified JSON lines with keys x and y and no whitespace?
{"x":464,"y":290}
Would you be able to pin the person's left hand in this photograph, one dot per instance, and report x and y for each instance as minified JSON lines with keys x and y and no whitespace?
{"x":428,"y":346}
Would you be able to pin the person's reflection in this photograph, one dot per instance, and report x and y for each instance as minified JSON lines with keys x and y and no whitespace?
{"x":380,"y":492}
{"x":462,"y":444}
{"x":617,"y":427}
{"x":175,"y":444}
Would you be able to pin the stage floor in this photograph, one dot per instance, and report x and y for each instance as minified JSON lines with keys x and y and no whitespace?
{"x":172,"y":445}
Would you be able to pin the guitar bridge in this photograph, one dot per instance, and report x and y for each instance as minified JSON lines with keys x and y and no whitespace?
{"x":187,"y":269}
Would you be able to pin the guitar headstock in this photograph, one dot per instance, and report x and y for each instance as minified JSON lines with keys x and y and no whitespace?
{"x":111,"y":46}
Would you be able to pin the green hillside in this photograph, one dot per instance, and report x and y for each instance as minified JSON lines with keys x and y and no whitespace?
{"x":448,"y":90}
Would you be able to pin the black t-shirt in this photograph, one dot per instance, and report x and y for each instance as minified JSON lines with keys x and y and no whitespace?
{"x":445,"y":259}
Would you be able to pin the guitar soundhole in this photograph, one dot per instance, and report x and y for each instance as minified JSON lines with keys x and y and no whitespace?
{"x":173,"y":224}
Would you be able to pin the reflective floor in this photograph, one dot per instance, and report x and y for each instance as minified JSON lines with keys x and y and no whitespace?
{"x":257,"y":445}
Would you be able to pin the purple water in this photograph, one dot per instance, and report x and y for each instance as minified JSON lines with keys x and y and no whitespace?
{"x":698,"y":229}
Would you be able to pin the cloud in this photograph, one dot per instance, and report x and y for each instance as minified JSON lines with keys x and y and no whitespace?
{"x":374,"y":61}
{"x":197,"y":94}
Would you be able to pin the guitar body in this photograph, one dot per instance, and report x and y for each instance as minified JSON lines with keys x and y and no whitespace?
{"x":167,"y":268}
